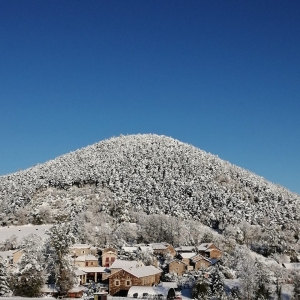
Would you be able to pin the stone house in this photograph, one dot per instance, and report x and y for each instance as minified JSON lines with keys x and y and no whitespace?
{"x":177,"y":266}
{"x":82,"y":249}
{"x":86,"y":261}
{"x":163,"y":248}
{"x":121,"y":281}
{"x":200,"y":262}
{"x":119,"y":264}
{"x":186,"y":256}
{"x":109,"y":255}
{"x":209,"y":250}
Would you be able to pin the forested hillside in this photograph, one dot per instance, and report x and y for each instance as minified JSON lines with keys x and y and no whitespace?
{"x":149,"y":173}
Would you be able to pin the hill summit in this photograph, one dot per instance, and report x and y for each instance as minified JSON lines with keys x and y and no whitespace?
{"x":149,"y":173}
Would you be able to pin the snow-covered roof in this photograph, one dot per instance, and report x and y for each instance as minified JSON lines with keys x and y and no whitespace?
{"x":204,"y":246}
{"x":142,"y":271}
{"x":23,"y":231}
{"x":187,"y":254}
{"x":158,"y":246}
{"x":199,"y":257}
{"x":129,"y":249}
{"x":80,"y":246}
{"x":93,"y":269}
{"x":86,"y":257}
{"x":185,"y":248}
{"x":150,"y":290}
{"x":79,"y":272}
{"x":146,"y":249}
{"x":120,"y":264}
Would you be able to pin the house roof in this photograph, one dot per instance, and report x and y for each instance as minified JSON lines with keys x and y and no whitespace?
{"x":79,"y":272}
{"x":146,"y":249}
{"x":93,"y":269}
{"x":203,"y":246}
{"x":130,"y":249}
{"x":185,"y":248}
{"x":178,"y":260}
{"x":188,"y":254}
{"x":158,"y":246}
{"x":121,"y":264}
{"x":142,"y":271}
{"x":86,"y":257}
{"x":199,"y":257}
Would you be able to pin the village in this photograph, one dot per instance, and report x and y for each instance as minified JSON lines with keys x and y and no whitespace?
{"x":115,"y":274}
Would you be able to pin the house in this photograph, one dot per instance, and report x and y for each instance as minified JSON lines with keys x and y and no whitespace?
{"x":177,"y":266}
{"x":209,"y":250}
{"x":200,"y":262}
{"x":109,"y":255}
{"x":130,"y":249}
{"x":163,"y":248}
{"x":86,"y":261}
{"x":82,"y":249}
{"x":121,"y":281}
{"x":123,"y":264}
{"x":186,"y":256}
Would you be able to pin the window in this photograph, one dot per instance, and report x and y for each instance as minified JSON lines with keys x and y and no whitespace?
{"x":83,"y":251}
{"x":128,"y":282}
{"x":92,"y":263}
{"x":107,"y":259}
{"x":86,"y":264}
{"x":117,"y":282}
{"x":112,"y":259}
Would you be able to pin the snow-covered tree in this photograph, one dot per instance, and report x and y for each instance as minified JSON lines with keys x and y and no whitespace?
{"x":61,"y":238}
{"x":217,"y":282}
{"x":296,"y":285}
{"x":4,"y":288}
{"x":29,"y":276}
{"x":247,"y":273}
{"x":201,"y":289}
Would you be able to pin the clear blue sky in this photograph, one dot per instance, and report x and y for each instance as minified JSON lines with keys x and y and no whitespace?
{"x":220,"y":75}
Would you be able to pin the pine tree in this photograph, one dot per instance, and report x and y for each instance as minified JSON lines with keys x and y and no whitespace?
{"x":201,"y":289}
{"x":29,"y":276}
{"x":4,"y":289}
{"x":60,"y":239}
{"x":28,"y":279}
{"x":217,"y":282}
{"x":296,"y":285}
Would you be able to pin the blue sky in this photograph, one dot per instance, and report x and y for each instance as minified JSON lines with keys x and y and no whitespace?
{"x":220,"y":75}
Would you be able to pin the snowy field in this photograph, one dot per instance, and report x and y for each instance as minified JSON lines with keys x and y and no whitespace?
{"x":22,"y":231}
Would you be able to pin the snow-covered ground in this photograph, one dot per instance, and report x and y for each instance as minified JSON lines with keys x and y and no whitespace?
{"x":22,"y":231}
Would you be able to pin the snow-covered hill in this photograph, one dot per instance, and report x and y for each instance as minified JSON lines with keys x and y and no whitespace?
{"x":150,"y":173}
